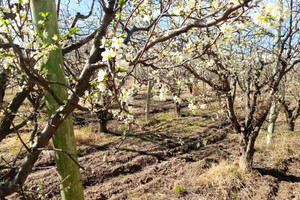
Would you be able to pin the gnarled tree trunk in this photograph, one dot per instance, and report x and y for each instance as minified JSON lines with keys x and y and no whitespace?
{"x":290,"y":125}
{"x":247,"y":141}
{"x":291,"y":115}
{"x":103,"y":116}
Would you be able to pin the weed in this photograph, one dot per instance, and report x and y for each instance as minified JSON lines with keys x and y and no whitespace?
{"x":224,"y":177}
{"x":40,"y":189}
{"x":86,"y":136}
{"x":293,"y":133}
{"x":234,"y":195}
{"x":165,"y":116}
{"x":282,"y":147}
{"x":179,"y":189}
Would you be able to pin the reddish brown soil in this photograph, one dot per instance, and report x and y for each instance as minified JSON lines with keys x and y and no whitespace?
{"x":165,"y":162}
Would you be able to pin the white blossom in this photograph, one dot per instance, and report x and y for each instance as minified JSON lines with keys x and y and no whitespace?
{"x":177,"y":99}
{"x":192,"y":107}
{"x":108,"y":54}
{"x":102,"y":87}
{"x":101,"y":75}
{"x":117,"y":43}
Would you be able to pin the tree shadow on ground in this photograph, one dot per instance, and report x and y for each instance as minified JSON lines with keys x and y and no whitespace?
{"x":281,"y":176}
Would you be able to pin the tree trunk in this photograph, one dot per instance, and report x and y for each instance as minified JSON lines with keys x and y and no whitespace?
{"x":290,"y":125}
{"x":190,"y":86}
{"x":247,"y":150}
{"x":13,"y":107}
{"x":3,"y":82}
{"x":148,"y":98}
{"x":178,"y":109}
{"x":272,"y":119}
{"x":104,"y":116}
{"x":103,"y":126}
{"x":290,"y":119}
{"x":68,"y":171}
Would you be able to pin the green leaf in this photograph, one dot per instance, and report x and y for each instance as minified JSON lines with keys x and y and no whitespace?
{"x":46,"y":15}
{"x":119,"y":15}
{"x":119,"y":69}
{"x":121,"y":2}
{"x":93,"y":83}
{"x":4,"y":22}
{"x":265,"y":19}
{"x":73,"y":31}
{"x":105,"y":158}
{"x":13,"y":149}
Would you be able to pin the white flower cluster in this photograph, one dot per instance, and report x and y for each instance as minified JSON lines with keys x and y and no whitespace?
{"x":114,"y":53}
{"x":116,"y":58}
{"x":227,"y":30}
{"x":102,"y":84}
{"x":177,"y":99}
{"x":162,"y":94}
{"x":126,"y":96}
{"x":192,"y":107}
{"x":124,"y":116}
{"x":33,"y":44}
{"x":270,"y":13}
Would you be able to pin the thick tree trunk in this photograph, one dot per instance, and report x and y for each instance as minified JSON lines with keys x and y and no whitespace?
{"x":104,"y":116}
{"x":290,"y":115}
{"x":103,"y":126}
{"x":291,"y":125}
{"x":64,"y":139}
{"x":247,"y":150}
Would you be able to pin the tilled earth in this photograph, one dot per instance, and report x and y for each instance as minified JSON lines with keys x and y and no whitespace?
{"x":166,"y":161}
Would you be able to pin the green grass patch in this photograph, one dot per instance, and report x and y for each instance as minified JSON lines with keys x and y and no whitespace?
{"x":179,"y":189}
{"x":165,"y":116}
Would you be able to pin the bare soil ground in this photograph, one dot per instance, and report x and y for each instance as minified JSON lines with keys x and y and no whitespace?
{"x":191,"y":157}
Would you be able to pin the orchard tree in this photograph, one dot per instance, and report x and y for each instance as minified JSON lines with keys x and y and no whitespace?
{"x":240,"y":63}
{"x":40,"y":59}
{"x":290,"y":99}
